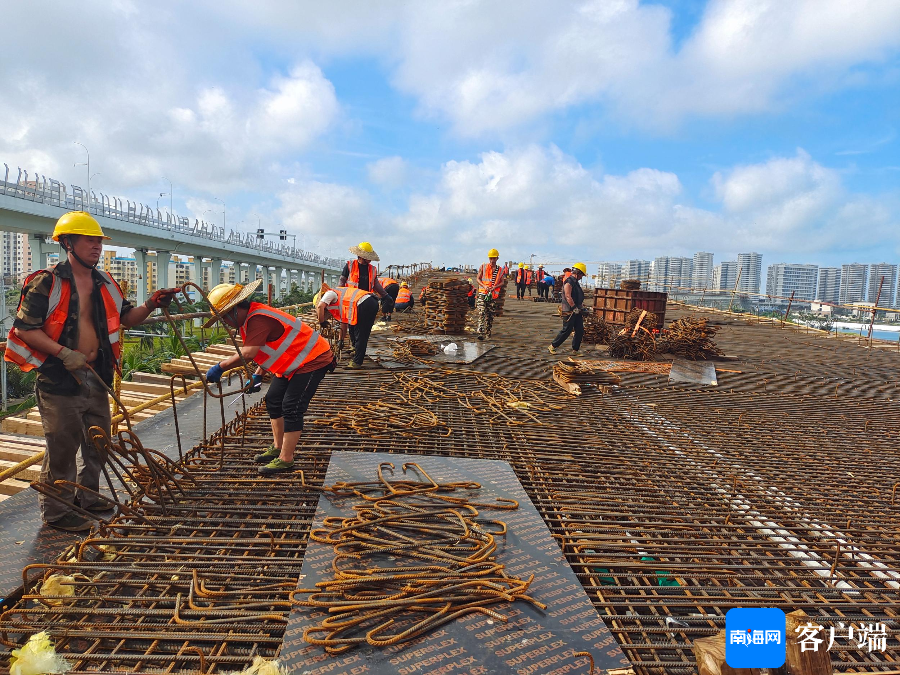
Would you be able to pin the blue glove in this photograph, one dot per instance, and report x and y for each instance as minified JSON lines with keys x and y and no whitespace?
{"x":214,"y":374}
{"x":255,"y":384}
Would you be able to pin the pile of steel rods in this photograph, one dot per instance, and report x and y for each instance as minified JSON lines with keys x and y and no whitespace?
{"x":384,"y":418}
{"x":690,"y":337}
{"x":635,"y":340}
{"x":413,"y":350}
{"x":413,"y":556}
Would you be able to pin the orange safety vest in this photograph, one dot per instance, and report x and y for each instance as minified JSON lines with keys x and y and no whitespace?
{"x":495,"y":274}
{"x":298,"y":344}
{"x":528,"y":277}
{"x":520,"y":276}
{"x":344,"y":309}
{"x":566,"y":275}
{"x":387,"y":281}
{"x":57,"y":312}
{"x":353,"y":279}
{"x":404,"y":296}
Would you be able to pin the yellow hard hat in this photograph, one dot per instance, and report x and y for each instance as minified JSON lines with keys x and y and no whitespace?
{"x":521,"y":266}
{"x":77,"y":222}
{"x":365,"y":250}
{"x":225,"y":296}
{"x":527,"y":267}
{"x":493,"y":253}
{"x":581,"y":267}
{"x":403,"y":284}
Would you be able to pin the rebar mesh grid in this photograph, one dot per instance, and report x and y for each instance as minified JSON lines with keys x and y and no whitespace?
{"x":672,"y":505}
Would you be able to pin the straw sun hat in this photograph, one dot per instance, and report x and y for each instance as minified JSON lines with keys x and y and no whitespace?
{"x":365,"y":250}
{"x":224,"y":297}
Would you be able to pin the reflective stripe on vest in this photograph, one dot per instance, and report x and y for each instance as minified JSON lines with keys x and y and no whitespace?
{"x":387,"y":281}
{"x":57,"y":312}
{"x":344,"y":310}
{"x":298,"y":345}
{"x":404,"y":296}
{"x":353,"y":279}
{"x":495,"y":278}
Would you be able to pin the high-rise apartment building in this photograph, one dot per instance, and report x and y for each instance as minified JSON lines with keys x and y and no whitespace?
{"x":853,"y":283}
{"x":750,"y":266}
{"x":888,"y":288}
{"x":670,"y":274}
{"x":725,"y":275}
{"x":15,"y":256}
{"x":701,"y":276}
{"x":829,"y":287}
{"x":609,"y":274}
{"x":637,"y":269}
{"x":799,"y":280}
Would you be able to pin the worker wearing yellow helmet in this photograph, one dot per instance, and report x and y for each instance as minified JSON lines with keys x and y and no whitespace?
{"x":490,"y":282}
{"x":405,"y":300}
{"x":296,"y":355}
{"x":573,"y":309}
{"x":362,"y":274}
{"x":67,"y":327}
{"x":520,"y":281}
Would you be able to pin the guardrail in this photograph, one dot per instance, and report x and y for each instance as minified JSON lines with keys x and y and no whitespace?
{"x":43,"y":190}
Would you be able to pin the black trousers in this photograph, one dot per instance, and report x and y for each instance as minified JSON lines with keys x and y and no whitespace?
{"x":392,"y":291}
{"x":289,"y":397}
{"x":520,"y":289}
{"x":403,"y":306}
{"x":366,"y":313}
{"x":575,"y":322}
{"x":543,"y":290}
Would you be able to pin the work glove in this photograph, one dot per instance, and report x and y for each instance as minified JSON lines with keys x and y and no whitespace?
{"x":71,"y":359}
{"x":255,"y":384}
{"x":323,"y":324}
{"x":576,"y":311}
{"x":162,"y":298}
{"x":214,"y":374}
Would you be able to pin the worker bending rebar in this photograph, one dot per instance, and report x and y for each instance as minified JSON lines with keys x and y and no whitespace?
{"x":67,"y":326}
{"x":295,"y":354}
{"x":405,"y":300}
{"x":354,"y":308}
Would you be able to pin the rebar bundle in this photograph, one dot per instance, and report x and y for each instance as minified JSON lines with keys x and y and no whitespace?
{"x":448,"y":304}
{"x":691,"y":338}
{"x":414,"y":556}
{"x":596,"y":330}
{"x":635,"y":340}
{"x":630,"y":284}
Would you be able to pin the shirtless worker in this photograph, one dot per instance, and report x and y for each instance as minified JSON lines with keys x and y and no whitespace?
{"x":68,"y":318}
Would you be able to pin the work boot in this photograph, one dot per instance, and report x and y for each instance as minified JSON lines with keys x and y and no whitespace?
{"x":98,"y":507}
{"x":71,"y":522}
{"x":551,"y":349}
{"x":481,"y":337}
{"x":354,"y":365}
{"x":275,"y":466}
{"x":267,"y":455}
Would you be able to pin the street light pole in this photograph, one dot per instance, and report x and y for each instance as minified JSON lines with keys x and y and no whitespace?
{"x":87,"y":164}
{"x":171,"y":210}
{"x":223,"y":211}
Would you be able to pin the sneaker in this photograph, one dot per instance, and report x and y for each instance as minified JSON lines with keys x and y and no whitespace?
{"x":481,"y":337}
{"x":354,"y":364}
{"x":275,"y":466}
{"x":551,"y":349}
{"x":71,"y":522}
{"x":98,"y":507}
{"x":267,"y":455}
{"x":575,"y":351}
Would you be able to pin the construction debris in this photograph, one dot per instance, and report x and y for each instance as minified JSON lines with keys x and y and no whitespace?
{"x":691,"y":338}
{"x":448,"y":304}
{"x":630,"y":285}
{"x":412,"y":548}
{"x":413,"y":350}
{"x":596,"y":330}
{"x":384,"y":418}
{"x":572,"y":375}
{"x":635,"y":340}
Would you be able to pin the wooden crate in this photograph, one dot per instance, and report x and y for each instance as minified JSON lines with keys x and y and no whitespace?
{"x":613,"y":304}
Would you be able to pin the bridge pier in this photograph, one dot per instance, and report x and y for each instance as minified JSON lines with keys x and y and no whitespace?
{"x":279,"y":289}
{"x":140,"y":257}
{"x":215,"y":272}
{"x":162,"y":268}
{"x":198,"y":274}
{"x":40,"y":249}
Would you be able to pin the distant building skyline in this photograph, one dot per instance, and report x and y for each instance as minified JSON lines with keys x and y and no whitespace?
{"x":786,"y":279}
{"x":853,"y":282}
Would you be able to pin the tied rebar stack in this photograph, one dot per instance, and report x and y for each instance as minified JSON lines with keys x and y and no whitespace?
{"x":691,"y":338}
{"x":630,"y":284}
{"x":596,"y":330}
{"x":447,"y":306}
{"x":635,"y":340}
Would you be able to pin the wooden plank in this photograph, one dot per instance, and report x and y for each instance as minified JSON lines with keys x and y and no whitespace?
{"x":16,"y":455}
{"x":24,"y":440}
{"x":20,"y":425}
{"x":12,"y":486}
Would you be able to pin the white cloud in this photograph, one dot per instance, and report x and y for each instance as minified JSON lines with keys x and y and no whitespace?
{"x":389,"y":172}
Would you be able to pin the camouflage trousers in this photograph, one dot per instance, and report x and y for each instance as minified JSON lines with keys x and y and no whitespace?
{"x":486,"y":306}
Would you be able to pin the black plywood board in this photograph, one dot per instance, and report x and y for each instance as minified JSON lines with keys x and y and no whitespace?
{"x":533,"y":642}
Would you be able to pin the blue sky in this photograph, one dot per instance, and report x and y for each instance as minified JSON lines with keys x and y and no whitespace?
{"x":591,"y":129}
